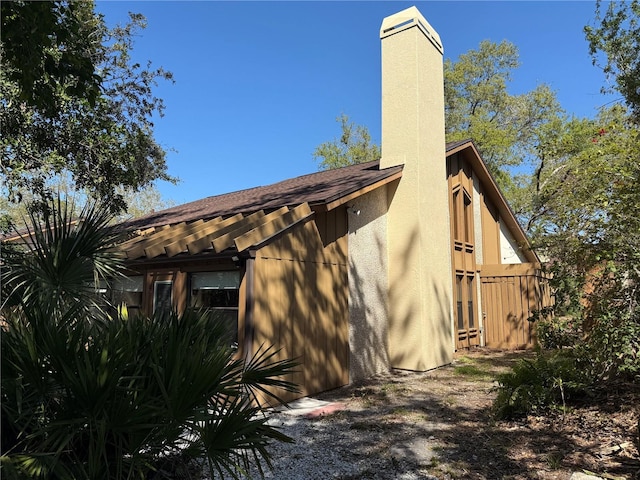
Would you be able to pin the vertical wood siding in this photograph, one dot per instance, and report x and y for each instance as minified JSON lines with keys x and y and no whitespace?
{"x":511,"y":294}
{"x":463,"y":247}
{"x":301,"y":302}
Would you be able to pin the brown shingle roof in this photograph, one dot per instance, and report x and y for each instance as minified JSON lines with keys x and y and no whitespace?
{"x":453,"y":145}
{"x":318,"y":188}
{"x":315,"y":189}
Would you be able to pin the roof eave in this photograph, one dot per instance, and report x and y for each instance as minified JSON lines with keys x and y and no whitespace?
{"x":345,"y":197}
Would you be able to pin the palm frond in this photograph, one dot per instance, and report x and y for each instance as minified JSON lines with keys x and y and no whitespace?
{"x":235,"y":435}
{"x":62,"y":259}
{"x":83,"y":397}
{"x":264,"y":373}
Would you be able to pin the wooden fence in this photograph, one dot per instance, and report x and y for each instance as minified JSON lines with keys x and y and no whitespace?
{"x":511,"y":295}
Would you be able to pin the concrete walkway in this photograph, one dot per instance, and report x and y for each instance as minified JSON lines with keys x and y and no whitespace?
{"x":311,"y":407}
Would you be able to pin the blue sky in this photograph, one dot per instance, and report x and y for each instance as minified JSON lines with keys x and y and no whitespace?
{"x":258,"y":85}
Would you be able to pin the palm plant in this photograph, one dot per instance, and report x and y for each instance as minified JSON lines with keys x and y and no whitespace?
{"x":59,"y":259}
{"x":88,"y":398}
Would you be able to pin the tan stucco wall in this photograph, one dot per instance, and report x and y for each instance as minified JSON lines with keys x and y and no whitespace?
{"x":368,"y":320}
{"x":419,"y":256}
{"x":510,"y":251}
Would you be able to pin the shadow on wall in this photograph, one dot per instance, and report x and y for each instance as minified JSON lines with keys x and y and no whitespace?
{"x":368,"y":285}
{"x":301,"y":303}
{"x":408,"y":341}
{"x":306,"y":284}
{"x":426,"y":343}
{"x":511,"y":295}
{"x":369,"y":334}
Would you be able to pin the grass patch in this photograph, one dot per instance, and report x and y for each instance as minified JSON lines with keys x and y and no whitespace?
{"x":402,"y":411}
{"x":473,"y":372}
{"x":465,"y":359}
{"x":554,"y":460}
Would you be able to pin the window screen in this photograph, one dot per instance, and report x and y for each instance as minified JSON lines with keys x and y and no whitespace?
{"x":218,"y":292}
{"x":459,"y":304}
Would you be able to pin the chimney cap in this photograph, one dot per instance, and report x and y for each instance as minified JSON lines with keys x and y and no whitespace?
{"x":408,"y":18}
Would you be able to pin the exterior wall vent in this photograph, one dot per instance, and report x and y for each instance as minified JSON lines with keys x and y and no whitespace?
{"x":407,"y":19}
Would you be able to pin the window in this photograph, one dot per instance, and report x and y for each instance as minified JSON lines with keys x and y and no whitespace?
{"x":162,"y":297}
{"x":454,"y":165}
{"x":128,"y":292}
{"x":468,"y":218}
{"x":462,"y":215}
{"x":456,"y":215}
{"x":459,"y":302}
{"x":219,"y":292}
{"x":470,"y":286}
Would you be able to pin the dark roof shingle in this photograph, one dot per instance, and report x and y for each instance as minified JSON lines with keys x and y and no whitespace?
{"x":453,"y":145}
{"x":315,"y":188}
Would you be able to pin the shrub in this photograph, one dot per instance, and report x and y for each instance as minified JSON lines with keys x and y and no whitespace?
{"x":84,"y":396}
{"x":557,"y":332}
{"x":612,"y":349}
{"x":533,"y":386}
{"x":110,"y":400}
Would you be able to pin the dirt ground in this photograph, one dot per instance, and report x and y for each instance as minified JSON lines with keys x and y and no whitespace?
{"x":442,"y":422}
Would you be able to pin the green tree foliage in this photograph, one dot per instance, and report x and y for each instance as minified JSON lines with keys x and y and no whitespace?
{"x":354,"y":146}
{"x":478,"y":106}
{"x":584,"y":215}
{"x":89,"y":393}
{"x":146,"y":200}
{"x":617,"y":38}
{"x":48,"y":48}
{"x":138,"y":202}
{"x":73,"y":101}
{"x":584,"y":188}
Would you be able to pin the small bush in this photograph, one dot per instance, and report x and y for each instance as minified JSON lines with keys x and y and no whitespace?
{"x":534,"y":386}
{"x":557,"y":332}
{"x":612,"y":349}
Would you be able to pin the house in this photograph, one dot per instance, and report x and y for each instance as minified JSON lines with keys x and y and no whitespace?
{"x":389,"y":264}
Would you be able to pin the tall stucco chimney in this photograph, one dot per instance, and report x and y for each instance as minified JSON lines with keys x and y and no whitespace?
{"x":418,"y":236}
